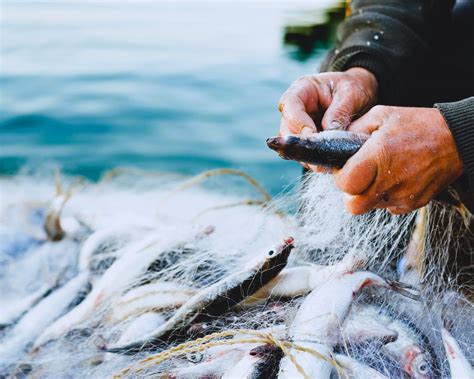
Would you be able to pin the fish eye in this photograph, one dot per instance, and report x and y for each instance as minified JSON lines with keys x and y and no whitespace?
{"x":194,"y":357}
{"x":423,"y":368}
{"x":271,"y":252}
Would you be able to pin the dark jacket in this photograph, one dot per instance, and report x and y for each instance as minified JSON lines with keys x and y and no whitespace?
{"x":422,"y":53}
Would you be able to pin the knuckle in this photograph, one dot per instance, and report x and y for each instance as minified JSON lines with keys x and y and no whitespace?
{"x":377,"y":109}
{"x":305,"y":79}
{"x":346,"y":87}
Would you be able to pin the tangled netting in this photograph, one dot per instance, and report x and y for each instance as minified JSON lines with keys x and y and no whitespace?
{"x":90,"y":272}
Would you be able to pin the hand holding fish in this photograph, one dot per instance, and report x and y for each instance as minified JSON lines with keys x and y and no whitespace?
{"x":409,"y":158}
{"x":326,"y":101}
{"x":330,"y":99}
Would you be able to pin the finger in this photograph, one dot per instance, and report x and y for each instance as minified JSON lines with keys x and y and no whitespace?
{"x":368,"y":123}
{"x":359,"y":204}
{"x":294,"y":111}
{"x":360,"y":171}
{"x":399,"y":210}
{"x":341,"y":110}
{"x":284,"y":128}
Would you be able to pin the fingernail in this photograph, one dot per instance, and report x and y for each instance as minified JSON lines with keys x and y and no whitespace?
{"x":334,"y":125}
{"x":306,"y":131}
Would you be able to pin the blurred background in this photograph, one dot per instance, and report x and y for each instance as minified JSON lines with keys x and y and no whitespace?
{"x":179,"y":86}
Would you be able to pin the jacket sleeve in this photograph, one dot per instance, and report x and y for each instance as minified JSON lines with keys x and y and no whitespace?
{"x":390,"y":38}
{"x":460,"y":119}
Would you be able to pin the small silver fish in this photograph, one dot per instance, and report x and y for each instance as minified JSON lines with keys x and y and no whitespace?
{"x":213,"y":367}
{"x":328,"y":148}
{"x":40,"y":316}
{"x":215,"y":299}
{"x":407,"y":351}
{"x":317,"y":322}
{"x":11,"y":311}
{"x":364,"y":329}
{"x":117,"y":279}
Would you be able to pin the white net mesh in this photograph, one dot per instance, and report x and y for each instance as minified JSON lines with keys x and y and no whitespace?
{"x":139,"y":246}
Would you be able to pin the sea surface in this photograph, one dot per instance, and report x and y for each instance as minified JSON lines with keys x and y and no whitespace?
{"x":176,"y":86}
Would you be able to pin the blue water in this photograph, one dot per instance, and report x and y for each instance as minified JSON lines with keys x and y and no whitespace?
{"x":177,"y":87}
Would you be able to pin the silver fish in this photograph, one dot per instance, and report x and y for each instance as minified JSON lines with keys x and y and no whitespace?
{"x":215,"y":299}
{"x":114,"y":281}
{"x":298,"y":281}
{"x":408,"y":351}
{"x":328,"y":148}
{"x":40,"y":316}
{"x":318,"y":320}
{"x":11,"y":311}
{"x":213,"y":367}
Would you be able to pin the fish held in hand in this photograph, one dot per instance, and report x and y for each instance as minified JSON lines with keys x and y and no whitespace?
{"x":215,"y":299}
{"x":329,"y":148}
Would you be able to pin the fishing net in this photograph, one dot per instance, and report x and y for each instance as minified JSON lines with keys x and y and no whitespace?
{"x":139,"y":245}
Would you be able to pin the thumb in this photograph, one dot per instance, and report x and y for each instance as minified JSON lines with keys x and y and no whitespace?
{"x":339,"y":114}
{"x":360,"y":171}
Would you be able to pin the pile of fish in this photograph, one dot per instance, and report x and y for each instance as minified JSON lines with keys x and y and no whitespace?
{"x":178,"y":281}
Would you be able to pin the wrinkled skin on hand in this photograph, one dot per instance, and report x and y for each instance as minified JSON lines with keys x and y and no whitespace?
{"x":330,"y":100}
{"x":326,"y":101}
{"x":409,"y":158}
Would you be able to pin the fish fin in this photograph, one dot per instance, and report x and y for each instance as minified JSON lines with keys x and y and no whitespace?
{"x":404,"y":289}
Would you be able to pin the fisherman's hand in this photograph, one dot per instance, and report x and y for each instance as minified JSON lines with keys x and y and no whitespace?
{"x":326,"y":101}
{"x":409,"y":158}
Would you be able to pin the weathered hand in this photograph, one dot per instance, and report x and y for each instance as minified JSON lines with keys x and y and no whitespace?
{"x":409,"y":158}
{"x":327,"y":101}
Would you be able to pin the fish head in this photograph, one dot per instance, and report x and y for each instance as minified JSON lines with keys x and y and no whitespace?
{"x":287,"y":147}
{"x":263,"y":351}
{"x":417,"y":364}
{"x":277,"y":144}
{"x":279,"y":255}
